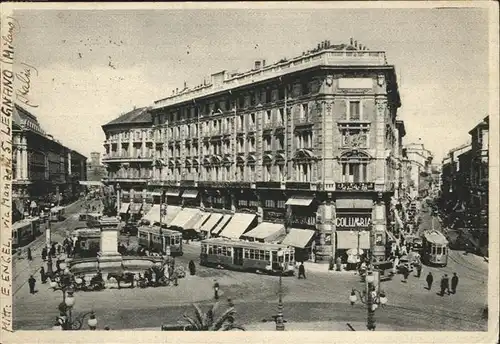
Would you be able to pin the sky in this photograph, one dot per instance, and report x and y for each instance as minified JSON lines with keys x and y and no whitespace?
{"x":92,"y":66}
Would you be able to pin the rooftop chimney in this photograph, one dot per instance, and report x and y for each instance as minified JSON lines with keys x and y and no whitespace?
{"x":177,"y":90}
{"x":257,"y":65}
{"x":355,"y":44}
{"x":319,"y":46}
{"x":351,"y":41}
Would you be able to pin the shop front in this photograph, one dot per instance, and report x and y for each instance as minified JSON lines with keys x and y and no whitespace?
{"x":173,"y":196}
{"x":300,"y":221}
{"x":353,"y":225}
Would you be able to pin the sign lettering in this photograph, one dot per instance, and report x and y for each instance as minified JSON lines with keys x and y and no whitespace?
{"x":353,"y":221}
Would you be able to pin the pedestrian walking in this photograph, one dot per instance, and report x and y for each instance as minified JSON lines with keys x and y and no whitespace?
{"x":454,"y":283}
{"x":429,"y":280}
{"x":43,"y":276}
{"x":30,"y":257}
{"x":302,"y":271}
{"x":419,"y":269}
{"x":406,"y":273}
{"x":216,"y":290}
{"x":31,"y":283}
{"x":443,"y":286}
{"x":59,"y":248}
{"x":447,"y":283}
{"x":192,"y":268}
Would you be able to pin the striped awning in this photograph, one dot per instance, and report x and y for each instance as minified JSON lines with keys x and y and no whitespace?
{"x":300,"y":238}
{"x":204,"y":217}
{"x":266,"y":231}
{"x":153,"y":215}
{"x":172,"y":211}
{"x":124,"y":208}
{"x":184,"y":217}
{"x":238,"y":225}
{"x":222,"y":223}
{"x":211,"y":222}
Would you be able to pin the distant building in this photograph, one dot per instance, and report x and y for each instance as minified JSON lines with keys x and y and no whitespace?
{"x":95,"y":170}
{"x":419,"y":161}
{"x":313,"y":143}
{"x":44,"y":170}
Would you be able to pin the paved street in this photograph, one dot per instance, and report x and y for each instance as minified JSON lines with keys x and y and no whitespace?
{"x":319,"y":300}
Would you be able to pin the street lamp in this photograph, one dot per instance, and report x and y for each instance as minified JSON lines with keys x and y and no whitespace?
{"x":66,"y":321}
{"x":371,"y":297}
{"x":278,"y":318}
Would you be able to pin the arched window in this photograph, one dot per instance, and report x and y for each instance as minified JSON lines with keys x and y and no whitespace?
{"x":354,"y":166}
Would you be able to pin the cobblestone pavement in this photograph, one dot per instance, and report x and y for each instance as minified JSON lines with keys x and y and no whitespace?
{"x":321,"y":299}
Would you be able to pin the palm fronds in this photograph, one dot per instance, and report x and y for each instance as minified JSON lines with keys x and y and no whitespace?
{"x":202,"y":321}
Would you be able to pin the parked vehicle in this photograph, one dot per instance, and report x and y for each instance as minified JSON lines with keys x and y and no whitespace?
{"x":25,"y":231}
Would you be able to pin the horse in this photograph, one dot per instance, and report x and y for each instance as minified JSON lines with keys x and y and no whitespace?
{"x":126,"y":277}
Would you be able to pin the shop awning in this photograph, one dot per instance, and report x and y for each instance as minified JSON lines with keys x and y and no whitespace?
{"x":204,"y":217}
{"x":211,"y":222}
{"x":190,"y":194}
{"x":184,"y":217}
{"x":124,"y":208}
{"x":135,"y":208}
{"x":146,"y":207}
{"x":222,"y":223}
{"x":238,"y":225}
{"x":193,"y":220}
{"x":155,"y":193}
{"x":299,"y":201}
{"x":172,"y":211}
{"x":266,"y":231}
{"x":347,"y":240}
{"x":172,"y":192}
{"x":153,"y":215}
{"x":298,"y":237}
{"x":90,"y":183}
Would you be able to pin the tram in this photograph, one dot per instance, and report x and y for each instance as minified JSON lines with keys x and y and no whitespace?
{"x":247,"y":256}
{"x":167,"y":241}
{"x":25,"y":231}
{"x":435,"y":248}
{"x":56,"y":214}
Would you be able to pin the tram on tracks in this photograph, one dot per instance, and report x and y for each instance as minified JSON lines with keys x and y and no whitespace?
{"x":56,"y":214}
{"x":25,"y":231}
{"x":164,"y":240}
{"x":435,"y":248}
{"x":247,"y":256}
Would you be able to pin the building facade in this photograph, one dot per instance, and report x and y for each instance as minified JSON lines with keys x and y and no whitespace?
{"x":419,"y":163}
{"x":312,"y":143}
{"x":44,"y":170}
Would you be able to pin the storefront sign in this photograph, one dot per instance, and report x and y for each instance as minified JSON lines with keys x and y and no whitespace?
{"x":355,"y":186}
{"x":353,"y":220}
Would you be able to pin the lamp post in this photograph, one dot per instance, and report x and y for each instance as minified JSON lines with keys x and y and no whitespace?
{"x":65,"y":321}
{"x":279,"y":318}
{"x":371,"y":297}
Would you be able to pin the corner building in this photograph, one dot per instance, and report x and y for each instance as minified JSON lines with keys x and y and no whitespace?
{"x":311,"y":143}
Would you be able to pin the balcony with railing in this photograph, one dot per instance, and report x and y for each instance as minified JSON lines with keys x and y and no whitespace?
{"x":127,"y":157}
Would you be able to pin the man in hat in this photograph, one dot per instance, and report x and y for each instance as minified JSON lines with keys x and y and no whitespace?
{"x":429,"y":279}
{"x":31,"y":283}
{"x":302,"y":271}
{"x":454,"y":283}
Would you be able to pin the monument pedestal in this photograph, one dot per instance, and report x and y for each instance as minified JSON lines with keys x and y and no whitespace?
{"x":110,"y":259}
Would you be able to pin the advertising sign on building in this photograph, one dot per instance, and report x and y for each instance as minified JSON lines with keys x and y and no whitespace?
{"x":352,"y":221}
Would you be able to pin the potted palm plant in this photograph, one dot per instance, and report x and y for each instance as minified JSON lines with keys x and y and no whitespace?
{"x":207,"y":321}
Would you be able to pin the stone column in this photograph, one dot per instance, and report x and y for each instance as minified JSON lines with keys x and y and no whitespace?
{"x":18,"y":163}
{"x":25,"y":158}
{"x":119,"y":144}
{"x":69,"y":163}
{"x":378,"y":235}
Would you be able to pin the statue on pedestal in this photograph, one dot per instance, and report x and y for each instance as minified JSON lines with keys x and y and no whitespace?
{"x":109,"y":201}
